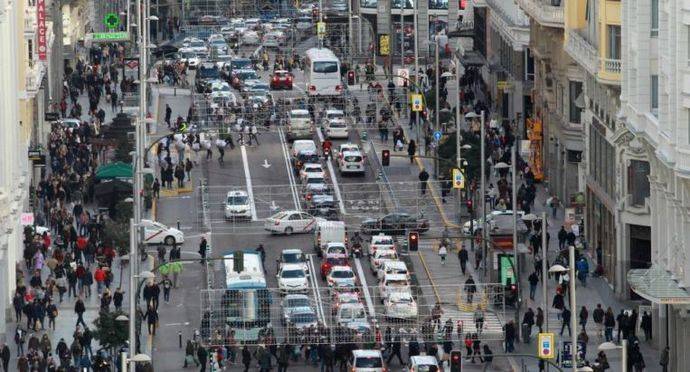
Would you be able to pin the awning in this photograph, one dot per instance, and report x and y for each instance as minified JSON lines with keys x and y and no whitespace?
{"x":657,"y":285}
{"x":472,"y":58}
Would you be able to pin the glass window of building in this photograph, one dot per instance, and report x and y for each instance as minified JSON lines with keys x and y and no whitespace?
{"x":655,"y":18}
{"x":614,"y":44}
{"x":654,"y":94}
{"x":638,"y":182}
{"x":575,"y":89}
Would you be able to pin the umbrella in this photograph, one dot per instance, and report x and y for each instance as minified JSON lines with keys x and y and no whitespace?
{"x":164,"y":269}
{"x":501,"y":165}
{"x":447,"y":74}
{"x":530,"y":217}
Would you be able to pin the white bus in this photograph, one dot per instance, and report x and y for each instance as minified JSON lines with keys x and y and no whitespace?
{"x":246,"y":300}
{"x":322,"y":73}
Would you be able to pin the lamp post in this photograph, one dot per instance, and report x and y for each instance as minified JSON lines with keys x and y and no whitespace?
{"x":473,"y":115}
{"x":606,"y":346}
{"x":573,"y":305}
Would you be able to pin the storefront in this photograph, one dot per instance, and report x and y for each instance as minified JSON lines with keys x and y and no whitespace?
{"x":535,"y":140}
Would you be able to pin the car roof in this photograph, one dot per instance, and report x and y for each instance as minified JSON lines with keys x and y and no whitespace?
{"x":299,"y":111}
{"x":296,"y":296}
{"x":280,"y":72}
{"x":399,"y":294}
{"x":237,"y":193}
{"x":395,"y":277}
{"x":424,"y":360}
{"x":292,"y":266}
{"x":333,"y":244}
{"x":312,"y":165}
{"x":346,"y":153}
{"x":334,"y":111}
{"x":341,"y":268}
{"x":366,"y":353}
{"x":291,"y":250}
{"x":395,"y":264}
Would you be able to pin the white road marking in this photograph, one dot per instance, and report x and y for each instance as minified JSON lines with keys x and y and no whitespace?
{"x":334,"y":179}
{"x":286,"y":157}
{"x":315,"y":289}
{"x":365,"y":288}
{"x":248,"y":177}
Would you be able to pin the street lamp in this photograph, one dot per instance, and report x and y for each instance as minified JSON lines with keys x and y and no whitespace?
{"x":606,"y":346}
{"x":573,"y":306}
{"x":482,"y":156}
{"x":138,"y":358}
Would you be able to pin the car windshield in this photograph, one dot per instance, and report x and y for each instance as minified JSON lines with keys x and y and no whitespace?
{"x":209,"y":72}
{"x":291,"y":274}
{"x":303,"y":318}
{"x":299,"y":115}
{"x":221,"y":88}
{"x":313,"y":170}
{"x":383,"y":241}
{"x":353,"y":313}
{"x":247,"y":75}
{"x":188,"y":55}
{"x":337,"y":124}
{"x":336,"y":250}
{"x":298,"y":302}
{"x":325,"y":67}
{"x":240,"y":63}
{"x":343,"y":274}
{"x":259,"y":86}
{"x":315,"y":180}
{"x":335,"y":115}
{"x":404,"y":298}
{"x":368,"y":362}
{"x":353,"y":158}
{"x":197,"y":44}
{"x":292,"y":257}
{"x":333,"y":261}
{"x":396,"y":283}
{"x":237,"y":200}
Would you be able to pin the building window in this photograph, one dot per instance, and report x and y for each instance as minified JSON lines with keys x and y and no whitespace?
{"x":638,"y":182}
{"x":655,"y":18}
{"x":654,"y":95}
{"x":688,"y":28}
{"x":614,"y":42}
{"x":575,"y":89}
{"x":529,"y":65}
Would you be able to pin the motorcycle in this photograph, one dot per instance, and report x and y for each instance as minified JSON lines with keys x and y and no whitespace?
{"x":357,"y":250}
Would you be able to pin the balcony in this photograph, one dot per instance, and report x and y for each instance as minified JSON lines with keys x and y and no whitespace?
{"x":30,"y":22}
{"x":543,"y":12}
{"x":34,"y":77}
{"x":582,"y":52}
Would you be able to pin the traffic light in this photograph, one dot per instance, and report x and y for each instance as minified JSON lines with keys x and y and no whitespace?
{"x":350,"y":77}
{"x":469,"y":206}
{"x":386,"y":158}
{"x":413,"y":241}
{"x":455,"y":361}
{"x":238,"y":262}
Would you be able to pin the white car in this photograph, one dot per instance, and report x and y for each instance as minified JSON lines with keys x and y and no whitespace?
{"x":293,"y":257}
{"x":157,"y":233}
{"x":336,"y":128}
{"x":391,"y":283}
{"x":471,"y":227}
{"x":381,"y":241}
{"x":274,"y":39}
{"x":251,"y":38}
{"x":341,"y":277}
{"x":303,"y":145}
{"x":330,"y":114}
{"x":190,"y":57}
{"x":238,"y":205}
{"x":223,"y":99}
{"x":351,"y":162}
{"x":401,"y":305}
{"x":347,"y":147}
{"x":289,"y":222}
{"x":310,"y":169}
{"x":353,"y":316}
{"x":342,"y":298}
{"x":381,"y":255}
{"x":335,"y":249}
{"x":393,"y":267}
{"x":292,"y":278}
{"x":198,"y":46}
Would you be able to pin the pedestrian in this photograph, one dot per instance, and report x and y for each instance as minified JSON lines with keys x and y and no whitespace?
{"x":478,"y":318}
{"x":622,"y":322}
{"x":253,"y":131}
{"x":539,"y":319}
{"x":168,"y":114}
{"x":396,"y":349}
{"x":470,"y":289}
{"x":582,"y":267}
{"x":151,"y":317}
{"x":202,"y":356}
{"x":179,"y":174}
{"x":188,"y":168}
{"x":246,"y":358}
{"x":80,"y":309}
{"x":488,"y":358}
{"x":468,"y":345}
{"x":283,"y":358}
{"x":5,"y":357}
{"x":52,"y":312}
{"x":609,"y":323}
{"x":202,"y":249}
{"x":118,"y":297}
{"x":463,"y":256}
{"x":598,"y":317}
{"x":442,"y":252}
{"x":636,"y":358}
{"x":533,"y":281}
{"x":189,"y":354}
{"x":663,"y":359}
{"x":167,"y":285}
{"x":423,"y":178}
{"x":510,"y":334}
{"x":528,"y":319}
{"x":156,"y":188}
{"x":477,"y":258}
{"x":411,"y":150}
{"x":584,"y":316}
{"x":601,"y":363}
{"x":565,"y":319}
{"x":646,"y":325}
{"x":562,"y":235}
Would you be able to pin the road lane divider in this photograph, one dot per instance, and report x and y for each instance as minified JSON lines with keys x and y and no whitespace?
{"x":365,"y":288}
{"x":315,"y":289}
{"x":248,"y":177}
{"x":291,"y":178}
{"x":334,"y":179}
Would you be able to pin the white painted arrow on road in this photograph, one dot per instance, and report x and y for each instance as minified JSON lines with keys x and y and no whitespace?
{"x":265,"y":164}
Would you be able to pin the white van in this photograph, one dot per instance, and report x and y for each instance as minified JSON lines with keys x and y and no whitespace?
{"x":329,"y":232}
{"x":322,"y":73}
{"x":424,"y":363}
{"x":351,"y":162}
{"x":366,"y":361}
{"x":300,"y":125}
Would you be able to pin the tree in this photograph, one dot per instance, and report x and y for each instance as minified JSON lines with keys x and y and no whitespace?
{"x":123,"y":150}
{"x":447,"y":151}
{"x":109,"y":332}
{"x":116,"y":230}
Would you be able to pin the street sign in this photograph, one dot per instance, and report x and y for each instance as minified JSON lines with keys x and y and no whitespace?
{"x":111,"y":20}
{"x":458,"y":179}
{"x":417,"y":103}
{"x":107,"y":37}
{"x":384,"y":45}
{"x":321,"y":29}
{"x":503,"y":85}
{"x":403,"y":77}
{"x":51,"y":116}
{"x":437,"y":135}
{"x":545,"y":346}
{"x":566,"y":357}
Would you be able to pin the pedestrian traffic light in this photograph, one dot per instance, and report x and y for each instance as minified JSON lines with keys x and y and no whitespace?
{"x":350,"y":77}
{"x":455,"y":361}
{"x":238,"y":262}
{"x":469,"y":206}
{"x":386,"y":158}
{"x":413,"y":241}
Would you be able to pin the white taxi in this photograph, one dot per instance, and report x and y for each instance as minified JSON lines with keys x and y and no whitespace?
{"x":237,"y":205}
{"x":290,"y":222}
{"x":157,"y":233}
{"x":400,"y":305}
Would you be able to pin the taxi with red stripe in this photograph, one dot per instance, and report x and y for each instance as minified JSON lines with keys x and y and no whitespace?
{"x":291,"y":222}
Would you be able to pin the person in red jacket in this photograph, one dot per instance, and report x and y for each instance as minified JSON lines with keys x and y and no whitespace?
{"x":99,"y":276}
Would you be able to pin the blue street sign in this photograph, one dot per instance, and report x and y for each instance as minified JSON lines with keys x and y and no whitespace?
{"x":437,"y":135}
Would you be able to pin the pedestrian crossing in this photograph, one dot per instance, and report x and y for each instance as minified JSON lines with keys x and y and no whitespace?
{"x":493,"y":326}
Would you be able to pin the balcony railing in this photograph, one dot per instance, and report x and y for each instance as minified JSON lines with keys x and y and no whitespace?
{"x":543,"y":12}
{"x":612,"y":66}
{"x":510,"y":12}
{"x":582,"y":51}
{"x":30,"y":23}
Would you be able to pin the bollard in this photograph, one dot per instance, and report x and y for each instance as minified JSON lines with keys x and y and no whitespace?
{"x":175,"y":91}
{"x":179,"y":337}
{"x":178,"y":223}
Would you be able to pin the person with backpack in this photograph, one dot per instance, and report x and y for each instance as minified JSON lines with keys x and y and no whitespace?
{"x":20,"y":340}
{"x":52,"y":312}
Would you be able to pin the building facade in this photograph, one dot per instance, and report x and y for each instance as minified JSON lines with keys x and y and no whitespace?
{"x":655,"y":102}
{"x":32,"y":81}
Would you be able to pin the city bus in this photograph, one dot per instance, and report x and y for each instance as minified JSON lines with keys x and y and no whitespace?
{"x":246,"y":301}
{"x":322,"y":73}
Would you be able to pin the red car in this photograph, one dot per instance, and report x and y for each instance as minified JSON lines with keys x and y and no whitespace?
{"x":331,"y":261}
{"x":281,"y":79}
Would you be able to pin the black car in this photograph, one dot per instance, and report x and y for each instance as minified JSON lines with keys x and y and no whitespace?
{"x":204,"y":75}
{"x":165,"y":50}
{"x":394,"y":224}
